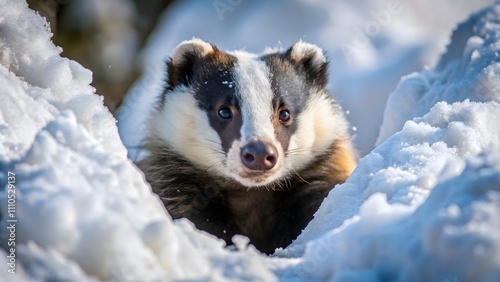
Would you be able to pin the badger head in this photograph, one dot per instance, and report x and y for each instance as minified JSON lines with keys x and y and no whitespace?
{"x":252,"y":118}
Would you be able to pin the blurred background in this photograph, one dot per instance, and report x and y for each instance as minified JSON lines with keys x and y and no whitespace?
{"x":370,"y":44}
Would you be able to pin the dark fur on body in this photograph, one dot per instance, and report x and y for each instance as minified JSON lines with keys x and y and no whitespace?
{"x":270,"y":216}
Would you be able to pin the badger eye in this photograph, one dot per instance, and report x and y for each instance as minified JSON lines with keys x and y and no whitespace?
{"x":284,"y":116}
{"x":225,"y":113}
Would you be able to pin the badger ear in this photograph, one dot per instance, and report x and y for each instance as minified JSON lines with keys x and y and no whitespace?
{"x":181,"y":65}
{"x":311,"y":60}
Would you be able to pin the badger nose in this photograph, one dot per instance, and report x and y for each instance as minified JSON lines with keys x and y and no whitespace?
{"x":259,"y":155}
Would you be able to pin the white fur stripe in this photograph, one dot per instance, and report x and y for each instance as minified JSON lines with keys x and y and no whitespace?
{"x":252,"y":78}
{"x":185,"y":127}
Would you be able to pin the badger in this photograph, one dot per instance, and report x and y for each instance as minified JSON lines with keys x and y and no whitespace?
{"x":247,"y":144}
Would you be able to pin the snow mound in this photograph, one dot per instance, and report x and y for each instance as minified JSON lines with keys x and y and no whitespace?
{"x":470,"y":69}
{"x":84,"y":213}
{"x":415,"y":209}
{"x":83,"y":210}
{"x":110,"y":224}
{"x":411,"y":211}
{"x":37,"y":84}
{"x":95,"y":225}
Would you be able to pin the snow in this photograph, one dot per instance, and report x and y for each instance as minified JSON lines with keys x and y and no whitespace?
{"x":37,"y":84}
{"x":415,"y":208}
{"x":474,"y":77}
{"x":83,"y":210}
{"x":440,"y":133}
{"x":424,"y":205}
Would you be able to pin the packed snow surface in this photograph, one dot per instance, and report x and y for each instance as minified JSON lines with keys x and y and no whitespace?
{"x":424,"y":205}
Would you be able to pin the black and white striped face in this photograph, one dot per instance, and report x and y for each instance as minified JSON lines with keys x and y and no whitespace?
{"x":255,"y":119}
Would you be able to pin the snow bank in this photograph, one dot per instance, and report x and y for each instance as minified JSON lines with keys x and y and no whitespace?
{"x":37,"y":84}
{"x":83,"y":210}
{"x":392,"y":228}
{"x":424,"y":205}
{"x":112,"y":226}
{"x":468,"y":70}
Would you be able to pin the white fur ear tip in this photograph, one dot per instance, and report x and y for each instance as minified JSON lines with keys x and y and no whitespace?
{"x":302,"y":49}
{"x":271,"y":50}
{"x":197,"y":46}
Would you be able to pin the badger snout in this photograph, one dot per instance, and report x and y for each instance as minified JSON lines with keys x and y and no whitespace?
{"x":259,"y":155}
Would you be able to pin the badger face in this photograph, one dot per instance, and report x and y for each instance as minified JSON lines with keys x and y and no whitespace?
{"x":254,"y":119}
